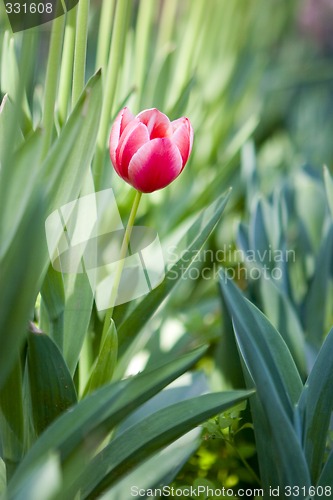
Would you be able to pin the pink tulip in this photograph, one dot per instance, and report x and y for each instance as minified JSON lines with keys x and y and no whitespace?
{"x":148,"y":151}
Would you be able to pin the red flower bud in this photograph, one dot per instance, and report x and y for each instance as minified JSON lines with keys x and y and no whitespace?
{"x":148,"y":151}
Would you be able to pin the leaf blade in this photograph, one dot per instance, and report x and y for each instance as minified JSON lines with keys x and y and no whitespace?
{"x":149,"y":435}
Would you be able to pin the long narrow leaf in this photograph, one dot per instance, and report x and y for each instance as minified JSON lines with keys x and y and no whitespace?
{"x":149,"y":435}
{"x":314,"y":306}
{"x":20,"y":272}
{"x":96,"y":415}
{"x":326,"y":477}
{"x":277,"y":382}
{"x":51,"y":386}
{"x":260,"y":335}
{"x":316,"y":406}
{"x":329,"y":188}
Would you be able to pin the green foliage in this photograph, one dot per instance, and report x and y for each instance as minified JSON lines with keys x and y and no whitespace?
{"x":293,"y":417}
{"x":51,"y":386}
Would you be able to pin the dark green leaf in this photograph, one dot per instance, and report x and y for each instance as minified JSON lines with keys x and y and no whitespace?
{"x":105,"y":362}
{"x":51,"y":386}
{"x":259,"y":337}
{"x":141,"y":440}
{"x":316,"y":406}
{"x":269,"y":366}
{"x":91,"y":420}
{"x":315,"y":302}
{"x":53,"y":295}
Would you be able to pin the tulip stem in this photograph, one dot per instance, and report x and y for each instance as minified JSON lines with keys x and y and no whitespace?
{"x":121,"y":262}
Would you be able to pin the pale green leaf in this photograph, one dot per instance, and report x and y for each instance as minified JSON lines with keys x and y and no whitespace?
{"x":329,"y":188}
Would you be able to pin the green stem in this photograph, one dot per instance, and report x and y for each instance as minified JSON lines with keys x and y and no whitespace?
{"x":116,"y":52}
{"x":104,"y":33}
{"x":80,"y":50}
{"x":53,"y":64}
{"x":244,"y":461}
{"x":121,"y":262}
{"x":65,"y":81}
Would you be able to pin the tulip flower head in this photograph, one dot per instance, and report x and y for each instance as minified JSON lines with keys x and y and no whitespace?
{"x":148,"y":150}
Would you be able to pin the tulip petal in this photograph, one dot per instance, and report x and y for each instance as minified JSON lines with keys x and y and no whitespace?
{"x":133,"y":137}
{"x":158,"y":123}
{"x":183,"y":137}
{"x":155,"y":165}
{"x":122,"y":120}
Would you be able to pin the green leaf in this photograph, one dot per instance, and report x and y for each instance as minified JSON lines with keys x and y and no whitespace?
{"x":3,"y":480}
{"x":315,"y":407}
{"x":67,"y":163}
{"x":189,"y":247}
{"x":179,"y":107}
{"x":21,"y":191}
{"x":310,"y":205}
{"x":329,"y":188}
{"x":19,"y":284}
{"x":6,"y":111}
{"x":93,"y":418}
{"x":326,"y":477}
{"x":259,"y":238}
{"x":12,"y":418}
{"x":60,"y":180}
{"x":79,"y":303}
{"x":51,"y":386}
{"x":10,"y":77}
{"x":284,"y":318}
{"x":269,"y":364}
{"x":259,"y":337}
{"x":42,"y":482}
{"x":314,"y":305}
{"x":53,"y":295}
{"x":141,"y":440}
{"x":243,"y":237}
{"x":105,"y":362}
{"x":161,"y":468}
